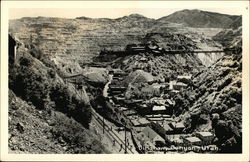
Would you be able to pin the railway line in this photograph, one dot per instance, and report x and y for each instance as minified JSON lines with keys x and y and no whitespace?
{"x":110,"y":132}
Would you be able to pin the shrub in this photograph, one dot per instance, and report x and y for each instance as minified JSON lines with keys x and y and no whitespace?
{"x":70,"y":104}
{"x":78,"y":139}
{"x":29,"y":85}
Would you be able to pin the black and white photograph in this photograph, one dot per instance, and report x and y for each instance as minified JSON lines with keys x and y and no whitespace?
{"x":135,"y":80}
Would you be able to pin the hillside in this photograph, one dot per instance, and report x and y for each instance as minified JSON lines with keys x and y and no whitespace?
{"x":42,"y":132}
{"x":200,"y":19}
{"x":79,"y":39}
{"x":218,"y":93}
{"x":229,"y":37}
{"x":69,"y":42}
{"x":40,"y":98}
{"x":214,"y":101}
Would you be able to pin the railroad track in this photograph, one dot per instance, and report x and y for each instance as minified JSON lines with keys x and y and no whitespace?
{"x":111,"y":133}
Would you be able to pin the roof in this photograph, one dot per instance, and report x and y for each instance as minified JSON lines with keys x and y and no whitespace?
{"x":178,"y":125}
{"x":143,"y":121}
{"x":135,"y":122}
{"x":175,"y":91}
{"x":157,"y":108}
{"x":167,"y":127}
{"x":123,"y":108}
{"x":129,"y":112}
{"x":205,"y":134}
{"x":155,"y":119}
{"x":158,"y":85}
{"x":193,"y":139}
{"x":159,"y":101}
{"x":170,"y":102}
{"x":181,"y":84}
{"x":184,"y":76}
{"x":157,"y":115}
{"x":143,"y":106}
{"x":151,"y":134}
{"x":166,"y":116}
{"x":138,"y":129}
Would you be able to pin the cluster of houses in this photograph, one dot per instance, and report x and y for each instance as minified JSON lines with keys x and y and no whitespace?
{"x":144,"y":134}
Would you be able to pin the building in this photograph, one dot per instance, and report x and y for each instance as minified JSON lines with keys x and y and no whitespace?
{"x":129,"y":112}
{"x":189,"y":141}
{"x":155,"y":119}
{"x":173,"y":92}
{"x":206,"y":137}
{"x":184,"y":78}
{"x":118,"y":73}
{"x":119,"y":99}
{"x":135,"y":123}
{"x":179,"y":86}
{"x":143,"y":121}
{"x":117,"y":92}
{"x":117,"y":88}
{"x":177,"y":126}
{"x":168,"y":129}
{"x":154,"y":138}
{"x":13,"y":46}
{"x":159,"y":108}
{"x":171,"y":84}
{"x":140,"y":122}
{"x":169,"y":102}
{"x":159,"y":101}
{"x":135,"y":47}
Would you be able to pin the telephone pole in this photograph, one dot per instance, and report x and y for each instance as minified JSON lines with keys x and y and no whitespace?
{"x":125,"y":140}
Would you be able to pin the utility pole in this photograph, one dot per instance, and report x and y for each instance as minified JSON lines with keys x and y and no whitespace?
{"x":125,"y":139}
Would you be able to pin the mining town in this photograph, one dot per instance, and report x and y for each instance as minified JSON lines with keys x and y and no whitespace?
{"x":130,"y":85}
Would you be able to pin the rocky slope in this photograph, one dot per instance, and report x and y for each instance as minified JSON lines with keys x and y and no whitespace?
{"x":37,"y":131}
{"x":71,"y":41}
{"x":230,"y":37}
{"x":199,"y":18}
{"x":215,"y":99}
{"x":40,"y":98}
{"x":218,"y":93}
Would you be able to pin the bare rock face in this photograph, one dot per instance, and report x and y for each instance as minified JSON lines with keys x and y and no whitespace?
{"x":41,"y":132}
{"x":198,"y":18}
{"x":81,"y":39}
{"x":230,"y":37}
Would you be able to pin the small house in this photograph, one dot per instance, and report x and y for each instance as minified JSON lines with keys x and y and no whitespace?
{"x":206,"y":137}
{"x":135,"y":123}
{"x":159,"y":108}
{"x":143,"y":121}
{"x":177,"y":126}
{"x":118,"y":99}
{"x":184,"y":78}
{"x":117,"y":88}
{"x":179,"y":86}
{"x":155,"y":119}
{"x":129,"y":112}
{"x":189,"y":141}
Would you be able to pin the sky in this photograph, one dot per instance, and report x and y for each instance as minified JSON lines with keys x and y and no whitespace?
{"x":15,"y":13}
